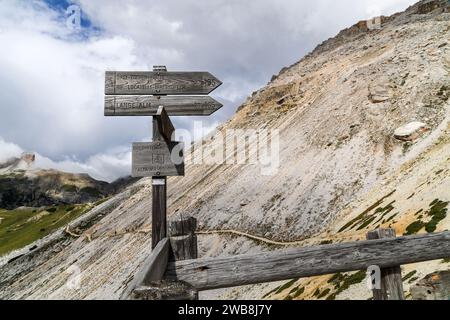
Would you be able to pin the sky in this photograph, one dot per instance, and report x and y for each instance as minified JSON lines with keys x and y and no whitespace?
{"x":52,"y":76}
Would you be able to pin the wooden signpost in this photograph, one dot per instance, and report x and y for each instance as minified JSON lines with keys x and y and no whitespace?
{"x":148,"y":105}
{"x":160,"y":82}
{"x":145,"y":94}
{"x":156,"y":159}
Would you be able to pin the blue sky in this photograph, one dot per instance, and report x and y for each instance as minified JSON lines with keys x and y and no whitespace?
{"x":51,"y":85}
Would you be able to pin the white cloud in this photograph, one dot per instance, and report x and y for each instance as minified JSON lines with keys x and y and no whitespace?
{"x":107,"y":166}
{"x":51,"y":81}
{"x":8,"y":150}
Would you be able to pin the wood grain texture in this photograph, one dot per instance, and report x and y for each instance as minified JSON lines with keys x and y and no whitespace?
{"x":156,"y":83}
{"x":157,"y":159}
{"x":163,"y":125}
{"x":152,"y":268}
{"x":148,"y":105}
{"x":159,"y":208}
{"x":183,"y":240}
{"x":391,"y":287}
{"x":226,"y":272}
{"x":166,"y":290}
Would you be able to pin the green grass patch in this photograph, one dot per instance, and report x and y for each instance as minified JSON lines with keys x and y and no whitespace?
{"x":286,"y":286}
{"x":414,"y":227}
{"x":365,"y":212}
{"x":366,"y":223}
{"x":324,"y":293}
{"x":299,"y":292}
{"x":92,"y":192}
{"x":409,"y":275}
{"x":438,"y":212}
{"x":412,"y":280}
{"x":342,"y":282}
{"x":99,"y":202}
{"x":69,"y":188}
{"x":316,"y":293}
{"x":21,"y":227}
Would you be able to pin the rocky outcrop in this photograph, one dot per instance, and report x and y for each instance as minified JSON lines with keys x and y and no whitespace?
{"x":28,"y":158}
{"x":431,"y":5}
{"x":36,"y":188}
{"x":379,"y":91}
{"x":48,"y":187}
{"x":411,"y":131}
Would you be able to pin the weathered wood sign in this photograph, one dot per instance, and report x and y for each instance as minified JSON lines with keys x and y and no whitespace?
{"x":121,"y":105}
{"x":146,"y":94}
{"x":157,"y":159}
{"x":160,"y":83}
{"x":162,"y":126}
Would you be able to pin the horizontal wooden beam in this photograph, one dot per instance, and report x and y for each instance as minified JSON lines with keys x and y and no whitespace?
{"x":152,"y":269}
{"x":215,"y":273}
{"x":148,"y":105}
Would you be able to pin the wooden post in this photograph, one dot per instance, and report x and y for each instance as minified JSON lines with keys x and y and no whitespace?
{"x":391,"y":278}
{"x":159,"y":189}
{"x":183,"y":240}
{"x":159,"y":206}
{"x":183,"y":246}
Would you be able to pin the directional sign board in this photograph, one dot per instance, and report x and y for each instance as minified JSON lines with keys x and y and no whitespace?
{"x":148,"y":105}
{"x":159,"y":83}
{"x":157,"y":159}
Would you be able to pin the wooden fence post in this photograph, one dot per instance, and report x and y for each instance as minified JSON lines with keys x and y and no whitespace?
{"x":183,"y":240}
{"x":391,"y":278}
{"x":183,"y":243}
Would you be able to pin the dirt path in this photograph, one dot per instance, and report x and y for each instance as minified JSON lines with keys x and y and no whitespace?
{"x":333,"y":238}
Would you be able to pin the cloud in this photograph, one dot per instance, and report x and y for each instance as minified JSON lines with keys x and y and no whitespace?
{"x":51,"y":84}
{"x":8,"y":150}
{"x":106,"y":166}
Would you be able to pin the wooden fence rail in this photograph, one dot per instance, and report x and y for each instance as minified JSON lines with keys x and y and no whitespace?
{"x":172,"y":270}
{"x":224,"y":272}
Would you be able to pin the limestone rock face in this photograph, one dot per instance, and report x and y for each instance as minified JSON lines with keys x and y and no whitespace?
{"x":28,"y":158}
{"x":411,"y":131}
{"x":431,"y":5}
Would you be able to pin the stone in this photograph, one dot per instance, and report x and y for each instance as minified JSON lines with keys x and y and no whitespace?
{"x":28,"y":158}
{"x":379,"y":92}
{"x":411,"y":131}
{"x":434,"y":286}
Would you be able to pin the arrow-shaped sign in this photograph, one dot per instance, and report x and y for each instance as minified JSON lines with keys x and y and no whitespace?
{"x":160,"y":83}
{"x":148,"y":105}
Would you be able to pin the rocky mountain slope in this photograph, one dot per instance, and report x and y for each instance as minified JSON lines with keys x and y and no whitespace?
{"x":364,"y":142}
{"x":35,"y":202}
{"x":22,"y":184}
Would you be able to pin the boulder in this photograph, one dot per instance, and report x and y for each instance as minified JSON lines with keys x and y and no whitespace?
{"x":411,"y":131}
{"x":379,"y":92}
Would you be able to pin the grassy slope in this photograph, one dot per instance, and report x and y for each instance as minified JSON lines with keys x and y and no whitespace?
{"x":21,"y":227}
